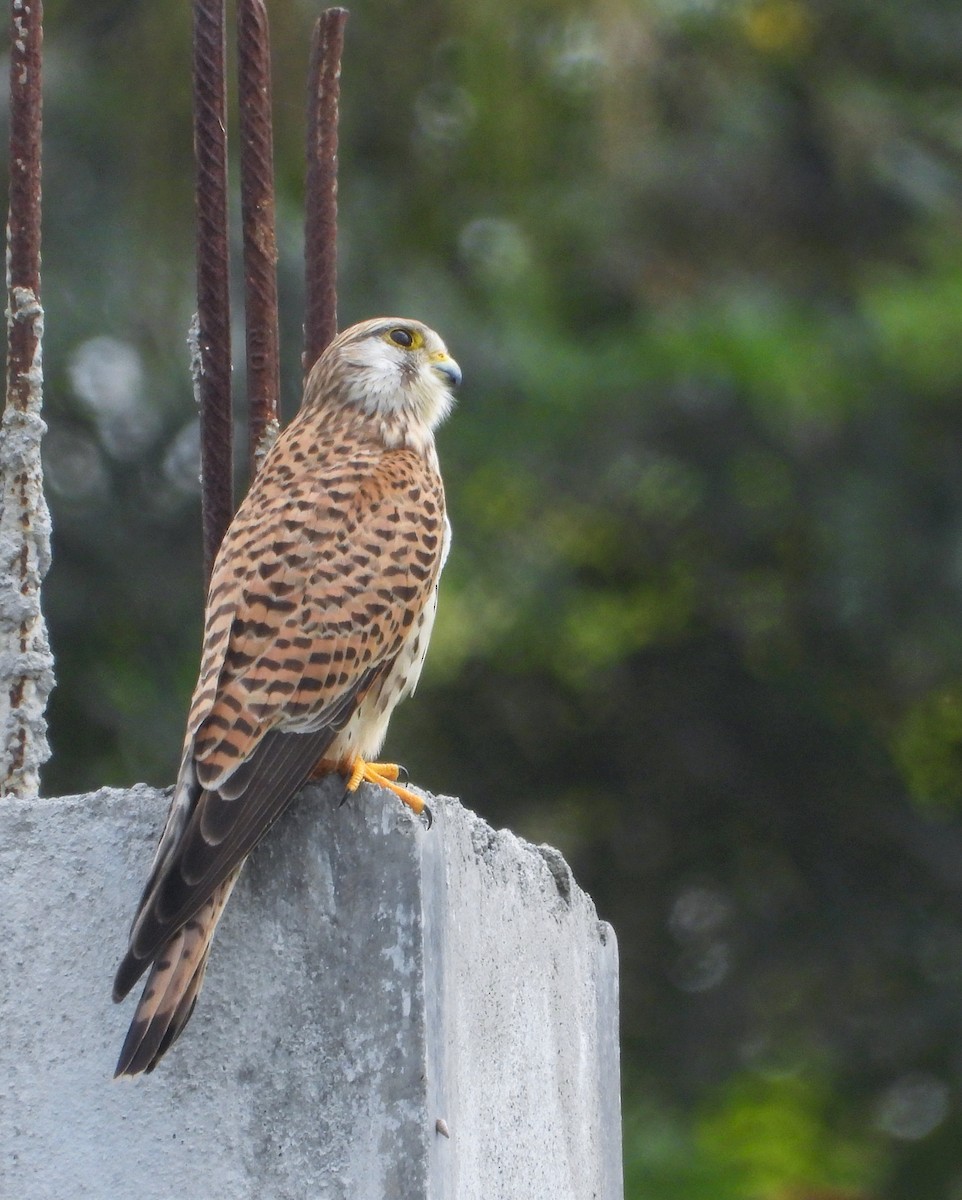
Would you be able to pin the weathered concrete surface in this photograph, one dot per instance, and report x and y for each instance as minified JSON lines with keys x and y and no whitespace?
{"x":369,"y":978}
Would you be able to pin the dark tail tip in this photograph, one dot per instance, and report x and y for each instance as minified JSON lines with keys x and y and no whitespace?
{"x":129,"y":971}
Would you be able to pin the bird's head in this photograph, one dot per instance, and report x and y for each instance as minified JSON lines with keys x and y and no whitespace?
{"x":393,"y":369}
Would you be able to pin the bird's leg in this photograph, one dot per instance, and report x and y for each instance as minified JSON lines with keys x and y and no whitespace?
{"x":326,"y":766}
{"x":383,"y":775}
{"x":372,"y":773}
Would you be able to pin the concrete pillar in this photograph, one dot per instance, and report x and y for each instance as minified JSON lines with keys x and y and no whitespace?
{"x":390,"y":1013}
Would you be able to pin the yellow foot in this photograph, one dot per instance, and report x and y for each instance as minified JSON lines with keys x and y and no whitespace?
{"x":325,"y":766}
{"x":385,"y":775}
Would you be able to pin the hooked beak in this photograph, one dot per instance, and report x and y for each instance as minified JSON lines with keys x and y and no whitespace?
{"x":447,"y":368}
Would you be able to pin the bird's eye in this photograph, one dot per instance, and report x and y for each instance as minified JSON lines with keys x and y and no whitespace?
{"x":404,"y":336}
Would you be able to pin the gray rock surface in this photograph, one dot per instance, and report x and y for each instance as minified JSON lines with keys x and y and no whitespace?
{"x":369,"y":980}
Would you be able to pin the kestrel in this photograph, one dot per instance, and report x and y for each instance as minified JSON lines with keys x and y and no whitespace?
{"x":319,"y":614}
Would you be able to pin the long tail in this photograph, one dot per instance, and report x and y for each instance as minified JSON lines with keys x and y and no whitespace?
{"x":172,"y":987}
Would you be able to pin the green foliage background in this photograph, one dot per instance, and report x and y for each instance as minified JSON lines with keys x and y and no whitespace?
{"x":701,"y":263}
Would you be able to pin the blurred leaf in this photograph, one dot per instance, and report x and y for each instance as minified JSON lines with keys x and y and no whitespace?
{"x":928,"y":748}
{"x":776,"y":1137}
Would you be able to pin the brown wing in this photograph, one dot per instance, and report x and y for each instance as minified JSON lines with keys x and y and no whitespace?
{"x":319,"y":581}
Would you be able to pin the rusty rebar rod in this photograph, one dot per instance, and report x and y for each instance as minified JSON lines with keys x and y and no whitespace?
{"x":320,"y":233}
{"x":260,"y":239}
{"x":213,"y":356}
{"x":26,"y":664}
{"x":26,"y":122}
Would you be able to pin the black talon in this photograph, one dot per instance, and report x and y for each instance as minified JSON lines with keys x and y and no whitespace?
{"x":403,"y":773}
{"x":428,"y":817}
